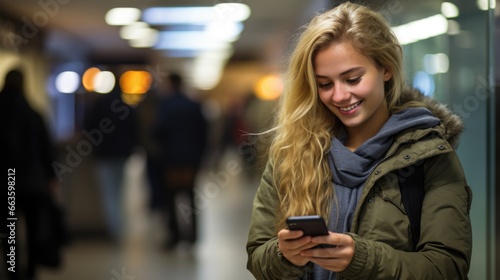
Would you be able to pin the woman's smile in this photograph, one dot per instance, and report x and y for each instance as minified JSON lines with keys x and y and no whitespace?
{"x":351,"y":109}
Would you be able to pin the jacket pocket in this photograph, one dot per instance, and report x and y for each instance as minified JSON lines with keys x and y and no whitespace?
{"x":383,"y":217}
{"x":388,"y":189}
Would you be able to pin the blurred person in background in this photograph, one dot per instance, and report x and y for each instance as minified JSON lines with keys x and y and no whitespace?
{"x":27,"y":154}
{"x":180,"y":130}
{"x":147,"y":112}
{"x":111,"y":125}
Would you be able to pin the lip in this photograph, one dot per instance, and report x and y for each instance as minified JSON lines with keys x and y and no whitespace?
{"x":352,"y":111}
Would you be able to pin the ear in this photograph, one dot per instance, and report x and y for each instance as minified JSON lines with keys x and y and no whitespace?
{"x":387,"y":75}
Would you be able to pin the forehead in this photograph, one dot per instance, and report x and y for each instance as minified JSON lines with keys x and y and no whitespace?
{"x":339,"y":57}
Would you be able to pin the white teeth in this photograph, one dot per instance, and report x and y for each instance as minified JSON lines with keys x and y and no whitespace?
{"x":350,"y":107}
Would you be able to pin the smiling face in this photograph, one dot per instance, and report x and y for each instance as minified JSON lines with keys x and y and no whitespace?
{"x":352,"y":87}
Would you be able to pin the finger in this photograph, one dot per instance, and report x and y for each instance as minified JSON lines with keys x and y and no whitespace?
{"x":335,"y":259}
{"x":285,"y":234}
{"x":318,"y":252}
{"x":308,"y":245}
{"x":298,"y":244}
{"x":332,"y":238}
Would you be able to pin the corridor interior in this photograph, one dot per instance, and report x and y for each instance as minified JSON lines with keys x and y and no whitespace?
{"x":224,"y":209}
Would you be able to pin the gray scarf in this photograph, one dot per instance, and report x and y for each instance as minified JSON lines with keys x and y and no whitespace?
{"x":351,"y":169}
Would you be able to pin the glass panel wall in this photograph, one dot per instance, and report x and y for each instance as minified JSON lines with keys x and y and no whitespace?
{"x":448,"y":55}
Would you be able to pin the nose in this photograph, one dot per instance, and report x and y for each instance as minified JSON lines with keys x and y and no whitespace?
{"x":341,"y":94}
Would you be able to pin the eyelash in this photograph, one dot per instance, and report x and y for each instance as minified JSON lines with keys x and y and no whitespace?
{"x":353,"y":81}
{"x":324,"y":85}
{"x":349,"y":81}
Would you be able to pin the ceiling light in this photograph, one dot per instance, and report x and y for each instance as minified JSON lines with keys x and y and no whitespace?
{"x":135,"y":82}
{"x":181,"y":53}
{"x":208,"y":67}
{"x":224,"y":31}
{"x":196,"y":15}
{"x":147,"y":39}
{"x":436,"y":63}
{"x":104,"y":82}
{"x":67,"y":82}
{"x":484,"y":4}
{"x":232,"y":11}
{"x":178,"y":15}
{"x":217,"y":35}
{"x":207,"y":73}
{"x":88,"y":78}
{"x":139,"y":34}
{"x":133,"y":30}
{"x":188,"y":40}
{"x":122,"y":16}
{"x":449,"y":10}
{"x":269,"y":87}
{"x":421,"y":29}
{"x":453,"y":27}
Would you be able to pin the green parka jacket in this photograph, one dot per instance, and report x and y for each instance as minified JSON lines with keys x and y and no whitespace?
{"x":380,"y":227}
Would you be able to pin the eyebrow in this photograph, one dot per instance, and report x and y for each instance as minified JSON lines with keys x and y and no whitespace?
{"x":343,"y":73}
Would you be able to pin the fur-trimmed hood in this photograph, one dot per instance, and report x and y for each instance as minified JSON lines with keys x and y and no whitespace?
{"x":451,"y":122}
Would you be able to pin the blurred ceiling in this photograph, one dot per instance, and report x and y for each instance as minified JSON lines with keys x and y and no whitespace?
{"x":76,"y":29}
{"x":78,"y":26}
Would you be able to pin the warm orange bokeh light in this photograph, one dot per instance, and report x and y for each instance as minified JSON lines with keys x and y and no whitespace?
{"x":88,"y":78}
{"x":135,"y":82}
{"x":269,"y":87}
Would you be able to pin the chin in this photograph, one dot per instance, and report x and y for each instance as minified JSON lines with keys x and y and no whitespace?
{"x":350,"y":123}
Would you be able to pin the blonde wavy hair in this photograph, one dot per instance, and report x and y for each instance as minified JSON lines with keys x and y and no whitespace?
{"x":304,"y":127}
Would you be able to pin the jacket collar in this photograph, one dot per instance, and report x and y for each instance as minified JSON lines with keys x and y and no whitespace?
{"x":451,"y":124}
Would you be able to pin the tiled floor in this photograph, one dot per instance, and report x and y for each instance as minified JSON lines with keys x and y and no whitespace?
{"x":225,"y":210}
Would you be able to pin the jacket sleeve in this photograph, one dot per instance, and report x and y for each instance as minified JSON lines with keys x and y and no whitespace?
{"x":445,"y":245}
{"x":264,"y":259}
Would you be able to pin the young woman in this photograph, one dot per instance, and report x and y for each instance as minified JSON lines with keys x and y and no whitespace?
{"x":345,"y":126}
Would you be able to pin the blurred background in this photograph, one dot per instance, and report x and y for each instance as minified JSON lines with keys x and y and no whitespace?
{"x":98,"y":72}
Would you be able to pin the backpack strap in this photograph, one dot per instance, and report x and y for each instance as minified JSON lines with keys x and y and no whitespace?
{"x":412,"y":194}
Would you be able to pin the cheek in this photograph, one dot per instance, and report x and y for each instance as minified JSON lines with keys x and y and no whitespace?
{"x":325,"y":97}
{"x":373,"y":90}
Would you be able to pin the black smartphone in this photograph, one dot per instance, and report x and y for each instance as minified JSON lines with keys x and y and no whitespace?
{"x":313,"y":225}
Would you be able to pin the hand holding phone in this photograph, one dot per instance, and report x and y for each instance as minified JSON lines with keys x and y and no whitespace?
{"x":312,"y":225}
